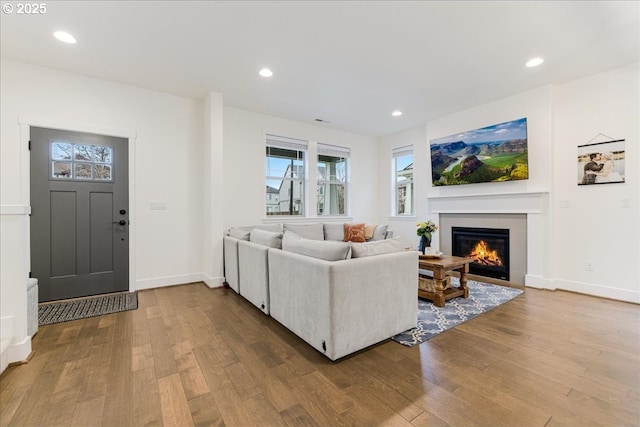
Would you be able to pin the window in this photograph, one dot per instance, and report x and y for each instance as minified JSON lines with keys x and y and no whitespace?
{"x":285,"y":176}
{"x":332,"y":180}
{"x":403,"y":177}
{"x":80,"y":162}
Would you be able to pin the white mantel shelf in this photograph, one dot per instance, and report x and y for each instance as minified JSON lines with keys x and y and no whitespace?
{"x":522,"y":202}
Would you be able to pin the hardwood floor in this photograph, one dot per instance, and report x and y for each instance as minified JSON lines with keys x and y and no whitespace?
{"x":196,"y":356}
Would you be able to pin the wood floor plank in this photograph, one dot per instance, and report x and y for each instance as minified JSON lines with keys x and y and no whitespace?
{"x":175,"y":410}
{"x":88,"y":413}
{"x":191,"y":355}
{"x":204,"y":411}
{"x":146,"y":404}
{"x":297,"y":416}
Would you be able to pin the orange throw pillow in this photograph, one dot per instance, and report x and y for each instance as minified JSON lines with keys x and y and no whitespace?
{"x":354,"y":233}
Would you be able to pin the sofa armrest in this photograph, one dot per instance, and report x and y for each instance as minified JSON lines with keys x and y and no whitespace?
{"x":231,"y":275}
{"x":254,"y":273}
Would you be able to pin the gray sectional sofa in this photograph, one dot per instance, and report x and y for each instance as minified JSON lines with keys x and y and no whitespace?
{"x":339,"y":297}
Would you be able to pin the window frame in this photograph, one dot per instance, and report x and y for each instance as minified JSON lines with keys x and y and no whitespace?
{"x":397,"y":153}
{"x":322,"y":183}
{"x":274,"y":142}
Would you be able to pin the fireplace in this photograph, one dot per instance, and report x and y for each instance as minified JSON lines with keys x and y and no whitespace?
{"x":489,"y":247}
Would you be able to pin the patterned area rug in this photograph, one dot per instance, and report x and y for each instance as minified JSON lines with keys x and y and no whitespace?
{"x":433,"y":320}
{"x":65,"y":311}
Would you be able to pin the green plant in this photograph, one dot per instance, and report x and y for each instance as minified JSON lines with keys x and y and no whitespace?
{"x":426,"y":228}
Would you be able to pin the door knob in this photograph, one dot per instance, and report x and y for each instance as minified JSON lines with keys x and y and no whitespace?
{"x":121,"y":222}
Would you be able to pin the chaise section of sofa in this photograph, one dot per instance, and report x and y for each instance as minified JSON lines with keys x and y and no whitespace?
{"x":340,"y":307}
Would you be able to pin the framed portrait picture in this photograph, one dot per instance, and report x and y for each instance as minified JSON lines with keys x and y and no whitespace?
{"x":601,"y":163}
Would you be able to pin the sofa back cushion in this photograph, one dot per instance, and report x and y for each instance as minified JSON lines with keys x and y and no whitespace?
{"x":241,"y":233}
{"x":334,"y":231}
{"x":378,"y":247}
{"x":326,"y":250}
{"x":276,"y":228}
{"x":308,"y":231}
{"x":266,"y":238}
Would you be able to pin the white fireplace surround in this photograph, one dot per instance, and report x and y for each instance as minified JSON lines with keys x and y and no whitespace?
{"x":533,"y":204}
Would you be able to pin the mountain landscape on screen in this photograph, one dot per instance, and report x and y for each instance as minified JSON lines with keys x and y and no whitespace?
{"x":490,"y":154}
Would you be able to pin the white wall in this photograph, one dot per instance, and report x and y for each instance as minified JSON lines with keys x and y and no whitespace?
{"x":167,"y":151}
{"x":594,"y":227}
{"x":244,"y":166}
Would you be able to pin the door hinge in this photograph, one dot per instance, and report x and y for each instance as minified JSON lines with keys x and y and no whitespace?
{"x":29,"y":145}
{"x":30,"y":275}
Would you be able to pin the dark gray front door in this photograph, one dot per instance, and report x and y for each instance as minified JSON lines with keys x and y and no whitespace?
{"x":79,"y":214}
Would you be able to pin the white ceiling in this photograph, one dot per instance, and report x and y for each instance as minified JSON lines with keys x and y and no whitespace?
{"x":350,"y":63}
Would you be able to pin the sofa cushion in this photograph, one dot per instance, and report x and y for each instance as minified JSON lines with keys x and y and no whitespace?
{"x":379,"y":247}
{"x":354,"y":233}
{"x":276,"y":228}
{"x":368,"y":231}
{"x":326,"y":250}
{"x":239,"y":233}
{"x":266,"y":238}
{"x":308,"y":231}
{"x":334,"y":232}
{"x":380,"y":233}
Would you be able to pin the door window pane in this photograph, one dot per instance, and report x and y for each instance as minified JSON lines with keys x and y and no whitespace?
{"x":81,"y":161}
{"x":61,"y":151}
{"x":83,"y":171}
{"x":102,"y":155}
{"x":102,"y":172}
{"x":61,"y":170}
{"x":82,"y":153}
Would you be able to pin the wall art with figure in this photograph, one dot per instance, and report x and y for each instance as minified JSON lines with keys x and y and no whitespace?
{"x":601,"y":163}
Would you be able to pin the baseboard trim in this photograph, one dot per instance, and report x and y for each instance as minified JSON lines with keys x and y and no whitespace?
{"x":598,"y":291}
{"x":19,"y":352}
{"x":538,"y":282}
{"x":212,"y":282}
{"x":159,"y":282}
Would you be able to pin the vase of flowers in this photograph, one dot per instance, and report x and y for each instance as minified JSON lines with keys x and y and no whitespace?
{"x":425,"y":230}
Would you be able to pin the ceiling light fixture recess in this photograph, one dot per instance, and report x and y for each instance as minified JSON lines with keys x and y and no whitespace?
{"x":65,"y":37}
{"x":265,"y":72}
{"x":534,"y":62}
{"x":396,"y":113}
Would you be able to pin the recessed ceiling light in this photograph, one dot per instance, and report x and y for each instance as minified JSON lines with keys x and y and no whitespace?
{"x":64,"y":37}
{"x":265,"y":72}
{"x":396,"y":113}
{"x":534,"y":62}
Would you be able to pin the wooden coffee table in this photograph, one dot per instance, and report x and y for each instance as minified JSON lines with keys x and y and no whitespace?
{"x":439,"y":267}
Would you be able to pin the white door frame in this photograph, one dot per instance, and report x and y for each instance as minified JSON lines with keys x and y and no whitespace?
{"x":25,"y":178}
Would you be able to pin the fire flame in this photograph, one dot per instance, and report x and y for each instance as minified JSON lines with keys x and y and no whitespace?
{"x":483,"y":255}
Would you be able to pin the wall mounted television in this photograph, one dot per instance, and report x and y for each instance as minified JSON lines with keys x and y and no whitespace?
{"x":494,"y":153}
